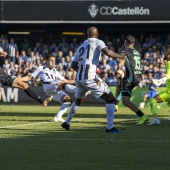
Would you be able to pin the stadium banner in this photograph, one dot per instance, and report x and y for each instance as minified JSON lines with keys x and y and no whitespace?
{"x":137,"y":96}
{"x":14,"y":96}
{"x":34,"y":11}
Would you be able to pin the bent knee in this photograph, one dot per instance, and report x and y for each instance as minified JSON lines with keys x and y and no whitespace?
{"x":78,"y":102}
{"x":66,"y":99}
{"x":109,"y":98}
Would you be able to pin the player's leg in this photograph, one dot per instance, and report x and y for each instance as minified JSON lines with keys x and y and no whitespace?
{"x":68,"y":87}
{"x":79,"y":94}
{"x":18,"y":83}
{"x":126,"y":95}
{"x":101,"y":90}
{"x":159,"y":98}
{"x":0,"y":90}
{"x":65,"y":101}
{"x":118,"y":94}
{"x":142,"y":104}
{"x":71,"y":88}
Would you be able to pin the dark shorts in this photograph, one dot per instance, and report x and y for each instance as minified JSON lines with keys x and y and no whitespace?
{"x":6,"y":80}
{"x":127,"y":88}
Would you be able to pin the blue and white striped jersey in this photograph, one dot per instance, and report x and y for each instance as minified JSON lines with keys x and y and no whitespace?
{"x":47,"y":76}
{"x":87,"y":56}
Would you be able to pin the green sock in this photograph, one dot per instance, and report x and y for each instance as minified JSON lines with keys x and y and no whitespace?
{"x":153,"y":105}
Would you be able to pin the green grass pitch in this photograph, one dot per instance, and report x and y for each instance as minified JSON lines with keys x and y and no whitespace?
{"x":30,"y":140}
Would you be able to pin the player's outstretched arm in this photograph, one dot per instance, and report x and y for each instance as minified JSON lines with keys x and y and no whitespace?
{"x":159,"y":82}
{"x":112,"y":54}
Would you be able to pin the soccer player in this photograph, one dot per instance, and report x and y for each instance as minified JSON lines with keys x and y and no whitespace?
{"x":85,"y":63}
{"x":132,"y":76}
{"x":163,"y":96}
{"x":152,"y":91}
{"x":54,"y":84}
{"x":13,"y":81}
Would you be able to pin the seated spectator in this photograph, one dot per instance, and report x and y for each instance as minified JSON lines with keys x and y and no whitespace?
{"x":23,"y":57}
{"x":11,"y":68}
{"x":32,"y":58}
{"x":62,"y":63}
{"x":110,"y":80}
{"x":61,"y":70}
{"x":15,"y":72}
{"x":142,"y":83}
{"x":149,"y":79}
{"x":68,"y":61}
{"x":59,"y":57}
{"x":74,"y":45}
{"x":6,"y":65}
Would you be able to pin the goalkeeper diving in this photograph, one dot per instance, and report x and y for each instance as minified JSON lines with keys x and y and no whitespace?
{"x":163,"y":96}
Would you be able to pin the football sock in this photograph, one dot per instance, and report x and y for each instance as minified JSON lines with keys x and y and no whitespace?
{"x":71,"y":113}
{"x":109,"y":115}
{"x":70,"y":88}
{"x":153,"y":105}
{"x":30,"y":92}
{"x":139,"y":113}
{"x":63,"y":109}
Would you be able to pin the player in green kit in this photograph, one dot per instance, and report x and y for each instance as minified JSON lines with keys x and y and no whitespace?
{"x":163,"y":96}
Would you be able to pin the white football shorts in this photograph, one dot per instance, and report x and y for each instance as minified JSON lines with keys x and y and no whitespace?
{"x":52,"y":90}
{"x":97,"y":86}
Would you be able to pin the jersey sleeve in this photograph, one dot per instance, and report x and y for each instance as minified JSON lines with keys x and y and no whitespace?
{"x":101,"y":45}
{"x":36,"y":72}
{"x":168,"y":70}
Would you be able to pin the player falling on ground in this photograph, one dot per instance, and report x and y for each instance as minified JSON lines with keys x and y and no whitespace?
{"x":13,"y":81}
{"x":85,"y":63}
{"x":132,"y":77}
{"x":163,"y":96}
{"x":54,"y":84}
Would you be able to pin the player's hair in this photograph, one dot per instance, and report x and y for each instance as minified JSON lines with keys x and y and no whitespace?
{"x":130,"y":39}
{"x":48,"y":56}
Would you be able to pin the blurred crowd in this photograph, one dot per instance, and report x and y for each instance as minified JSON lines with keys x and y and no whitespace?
{"x":22,"y":60}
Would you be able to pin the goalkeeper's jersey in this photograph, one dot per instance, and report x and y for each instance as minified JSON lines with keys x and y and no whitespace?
{"x":168,"y":75}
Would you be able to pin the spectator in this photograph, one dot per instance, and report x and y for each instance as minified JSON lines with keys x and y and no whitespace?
{"x":142,"y":83}
{"x":23,"y":57}
{"x":61,"y":70}
{"x":74,"y":45}
{"x":12,"y":50}
{"x":25,"y":45}
{"x":32,"y":58}
{"x":6,"y":65}
{"x":3,"y":42}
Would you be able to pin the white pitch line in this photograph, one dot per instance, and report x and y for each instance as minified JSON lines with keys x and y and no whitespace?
{"x":30,"y":124}
{"x":91,"y":140}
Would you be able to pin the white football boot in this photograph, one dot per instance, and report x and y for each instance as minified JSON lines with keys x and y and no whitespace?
{"x":58,"y":119}
{"x":155,"y":121}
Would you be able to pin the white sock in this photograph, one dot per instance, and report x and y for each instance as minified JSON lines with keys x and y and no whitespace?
{"x":70,"y":88}
{"x":110,"y":115}
{"x":71,"y":113}
{"x":63,"y":109}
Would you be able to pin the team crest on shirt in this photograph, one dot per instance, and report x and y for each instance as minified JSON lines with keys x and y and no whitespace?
{"x":93,"y":10}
